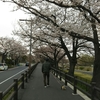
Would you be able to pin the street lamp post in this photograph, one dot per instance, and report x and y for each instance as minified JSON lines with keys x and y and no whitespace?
{"x":30,"y":41}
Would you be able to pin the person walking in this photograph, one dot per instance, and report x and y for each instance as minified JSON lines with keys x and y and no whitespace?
{"x":46,"y":72}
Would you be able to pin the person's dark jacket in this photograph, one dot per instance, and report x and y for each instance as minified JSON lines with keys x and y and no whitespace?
{"x":46,"y":67}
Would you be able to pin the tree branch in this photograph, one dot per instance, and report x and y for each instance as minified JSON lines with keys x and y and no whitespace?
{"x":75,"y":6}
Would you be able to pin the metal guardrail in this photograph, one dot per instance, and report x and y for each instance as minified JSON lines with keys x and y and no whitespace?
{"x":88,"y":89}
{"x":12,"y":91}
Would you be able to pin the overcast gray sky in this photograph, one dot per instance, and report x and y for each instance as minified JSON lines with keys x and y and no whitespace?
{"x":8,"y":19}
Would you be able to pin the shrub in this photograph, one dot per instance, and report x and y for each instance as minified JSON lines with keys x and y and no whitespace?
{"x":81,"y":67}
{"x":88,"y":69}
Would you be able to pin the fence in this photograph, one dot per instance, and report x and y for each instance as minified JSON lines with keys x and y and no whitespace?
{"x":90,"y":90}
{"x":11,"y":93}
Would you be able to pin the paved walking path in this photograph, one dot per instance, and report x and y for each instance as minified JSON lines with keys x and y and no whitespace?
{"x":35,"y":90}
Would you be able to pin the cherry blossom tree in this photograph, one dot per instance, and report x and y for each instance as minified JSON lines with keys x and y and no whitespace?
{"x":11,"y":48}
{"x":54,"y":54}
{"x":77,"y":18}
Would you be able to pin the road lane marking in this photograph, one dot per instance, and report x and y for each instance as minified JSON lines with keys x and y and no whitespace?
{"x":11,"y":77}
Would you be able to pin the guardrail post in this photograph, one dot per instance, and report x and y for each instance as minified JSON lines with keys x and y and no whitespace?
{"x":29,"y":70}
{"x":56,"y":73}
{"x":22,"y":81}
{"x":26,"y":76}
{"x":1,"y":95}
{"x":65,"y":79}
{"x":16,"y":89}
{"x":53,"y":71}
{"x":93,"y":90}
{"x":75,"y":83}
{"x":60,"y":74}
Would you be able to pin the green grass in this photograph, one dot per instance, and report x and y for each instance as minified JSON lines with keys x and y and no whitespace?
{"x":8,"y":94}
{"x":83,"y":76}
{"x":84,"y":68}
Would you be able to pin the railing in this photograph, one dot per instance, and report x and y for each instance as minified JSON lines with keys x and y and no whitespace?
{"x":88,"y":89}
{"x":12,"y":91}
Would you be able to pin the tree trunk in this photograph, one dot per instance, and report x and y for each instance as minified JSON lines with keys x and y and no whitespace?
{"x":3,"y":58}
{"x":72,"y":59}
{"x":72,"y":67}
{"x":96,"y":70}
{"x":96,"y":75}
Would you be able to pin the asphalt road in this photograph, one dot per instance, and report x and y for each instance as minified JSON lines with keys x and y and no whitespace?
{"x":7,"y":77}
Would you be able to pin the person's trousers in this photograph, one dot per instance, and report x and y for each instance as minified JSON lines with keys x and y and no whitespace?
{"x":46,"y":78}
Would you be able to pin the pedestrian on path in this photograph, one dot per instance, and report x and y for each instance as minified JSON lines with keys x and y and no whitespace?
{"x":46,"y":72}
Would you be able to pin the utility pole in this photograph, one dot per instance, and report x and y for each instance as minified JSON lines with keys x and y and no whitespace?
{"x":30,"y":48}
